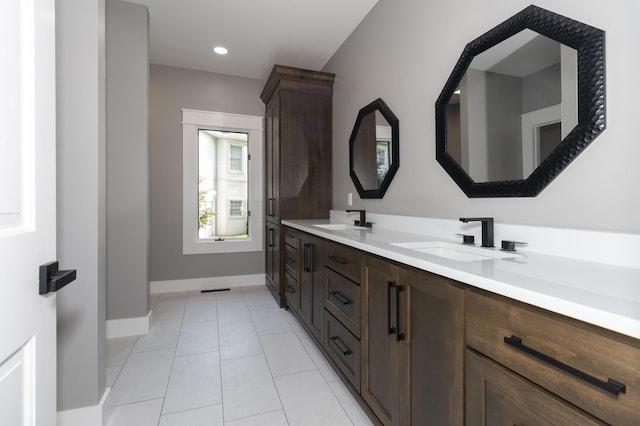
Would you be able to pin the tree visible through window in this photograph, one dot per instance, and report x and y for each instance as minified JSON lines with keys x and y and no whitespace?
{"x":223,"y":185}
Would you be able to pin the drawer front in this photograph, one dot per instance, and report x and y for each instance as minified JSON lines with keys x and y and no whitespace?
{"x":496,"y":396}
{"x":291,"y":237}
{"x":342,"y":259}
{"x":343,"y":348}
{"x":291,"y":260}
{"x":569,"y":358}
{"x":291,"y":291}
{"x":342,"y":299}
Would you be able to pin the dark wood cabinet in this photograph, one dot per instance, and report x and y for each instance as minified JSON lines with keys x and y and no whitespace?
{"x":496,"y":396}
{"x":310,"y":287}
{"x":412,"y":345}
{"x":380,"y":346}
{"x":272,"y":256}
{"x":432,"y":320}
{"x":298,"y":148}
{"x":595,"y":370}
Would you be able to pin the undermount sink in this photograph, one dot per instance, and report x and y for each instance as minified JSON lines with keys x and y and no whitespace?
{"x":455,"y":251}
{"x":338,"y":226}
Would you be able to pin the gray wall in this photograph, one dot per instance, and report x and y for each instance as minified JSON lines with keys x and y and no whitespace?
{"x":80,"y":85}
{"x":127,"y":80}
{"x":404,"y":51}
{"x":170,"y":90}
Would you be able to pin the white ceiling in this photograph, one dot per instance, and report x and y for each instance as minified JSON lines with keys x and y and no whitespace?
{"x":258,"y":33}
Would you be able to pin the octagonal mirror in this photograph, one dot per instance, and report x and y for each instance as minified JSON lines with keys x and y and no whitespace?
{"x":374,"y":155}
{"x":522,"y":102}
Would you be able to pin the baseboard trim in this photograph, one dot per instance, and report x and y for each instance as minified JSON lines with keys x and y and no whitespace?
{"x":92,"y":415}
{"x":128,"y":326}
{"x":210,"y":283}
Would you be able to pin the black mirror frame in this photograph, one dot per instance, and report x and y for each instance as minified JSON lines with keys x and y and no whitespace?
{"x":590,"y":46}
{"x":378,"y":105}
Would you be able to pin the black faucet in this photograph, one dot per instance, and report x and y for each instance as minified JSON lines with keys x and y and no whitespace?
{"x":487,"y":228}
{"x":363,"y":218}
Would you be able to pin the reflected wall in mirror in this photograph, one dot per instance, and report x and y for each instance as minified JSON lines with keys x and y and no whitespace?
{"x":374,"y":155}
{"x":522,"y":102}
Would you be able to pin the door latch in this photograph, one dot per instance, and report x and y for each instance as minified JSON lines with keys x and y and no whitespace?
{"x":52,"y":279}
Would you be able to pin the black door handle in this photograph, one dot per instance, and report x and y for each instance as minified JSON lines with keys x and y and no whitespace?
{"x":52,"y":279}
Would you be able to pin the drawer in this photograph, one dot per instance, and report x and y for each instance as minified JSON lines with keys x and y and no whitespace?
{"x":343,"y":348}
{"x":496,"y":396}
{"x":291,"y":237}
{"x":569,"y":358}
{"x":291,"y":260}
{"x":342,"y":259}
{"x":291,"y":291}
{"x":342,"y":299}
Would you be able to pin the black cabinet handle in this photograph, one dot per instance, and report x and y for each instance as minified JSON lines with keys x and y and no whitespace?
{"x":272,"y":237}
{"x":306,"y":250}
{"x":612,"y":386}
{"x":290,"y":289}
{"x":340,"y":345}
{"x":338,"y":259}
{"x":399,"y":336}
{"x":341,"y":297}
{"x":390,"y":286}
{"x":271,"y":210}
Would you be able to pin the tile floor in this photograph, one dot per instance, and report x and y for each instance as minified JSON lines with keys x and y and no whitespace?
{"x":219,"y":359}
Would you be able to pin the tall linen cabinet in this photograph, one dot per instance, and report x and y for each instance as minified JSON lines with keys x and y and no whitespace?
{"x":298,"y":141}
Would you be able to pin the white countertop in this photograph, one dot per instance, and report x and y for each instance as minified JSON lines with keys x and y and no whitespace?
{"x":604,"y":295}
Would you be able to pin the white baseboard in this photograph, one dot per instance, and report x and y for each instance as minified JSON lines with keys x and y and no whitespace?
{"x":211,"y":283}
{"x":97,"y":415}
{"x":128,"y":326}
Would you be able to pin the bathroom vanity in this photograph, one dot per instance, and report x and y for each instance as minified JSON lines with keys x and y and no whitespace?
{"x":422,"y":337}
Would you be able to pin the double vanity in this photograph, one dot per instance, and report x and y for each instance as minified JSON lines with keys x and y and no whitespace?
{"x":427,"y":330}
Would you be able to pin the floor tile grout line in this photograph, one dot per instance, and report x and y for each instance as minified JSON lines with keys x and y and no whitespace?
{"x":173,"y":360}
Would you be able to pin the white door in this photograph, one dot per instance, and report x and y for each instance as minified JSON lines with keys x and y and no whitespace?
{"x":27,"y":211}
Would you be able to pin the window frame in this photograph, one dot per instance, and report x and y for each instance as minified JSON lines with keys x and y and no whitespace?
{"x":192,"y":122}
{"x":230,"y":209}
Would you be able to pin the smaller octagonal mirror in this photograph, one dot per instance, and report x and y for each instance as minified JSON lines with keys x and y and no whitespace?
{"x":374,"y":155}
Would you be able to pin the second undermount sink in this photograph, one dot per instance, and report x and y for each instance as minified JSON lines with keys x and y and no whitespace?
{"x":455,"y":251}
{"x":338,"y":226}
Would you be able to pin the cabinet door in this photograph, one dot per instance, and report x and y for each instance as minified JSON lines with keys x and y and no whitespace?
{"x":433,"y":349}
{"x":310,"y":285}
{"x":272,"y":267}
{"x":496,"y":396}
{"x":380,"y":345}
{"x":272,"y":160}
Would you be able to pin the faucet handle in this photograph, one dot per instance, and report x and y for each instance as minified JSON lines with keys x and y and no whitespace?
{"x":508,"y":245}
{"x":467,"y":239}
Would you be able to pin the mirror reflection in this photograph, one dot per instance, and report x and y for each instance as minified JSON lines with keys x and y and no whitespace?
{"x":513,"y":106}
{"x":373,"y":150}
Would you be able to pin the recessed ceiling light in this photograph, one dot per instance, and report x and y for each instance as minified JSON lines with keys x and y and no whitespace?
{"x":220,"y":50}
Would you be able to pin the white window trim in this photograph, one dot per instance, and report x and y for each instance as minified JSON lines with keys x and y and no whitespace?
{"x":231,"y":170}
{"x":192,"y":122}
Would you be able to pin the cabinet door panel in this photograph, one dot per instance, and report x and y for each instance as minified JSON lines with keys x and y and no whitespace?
{"x":433,"y":308}
{"x":380,"y":351}
{"x":311,"y":283}
{"x":496,"y":396}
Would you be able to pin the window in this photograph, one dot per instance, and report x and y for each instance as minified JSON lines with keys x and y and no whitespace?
{"x":235,"y":158}
{"x":222,"y":181}
{"x":235,"y":209}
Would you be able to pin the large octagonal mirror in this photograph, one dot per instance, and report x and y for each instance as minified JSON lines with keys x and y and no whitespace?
{"x":374,"y":145}
{"x":522,"y":102}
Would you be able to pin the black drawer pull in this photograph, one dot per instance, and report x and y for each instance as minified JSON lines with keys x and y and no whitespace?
{"x":338,"y":259}
{"x":341,"y":298}
{"x":390,"y":286}
{"x":611,"y":386}
{"x":307,"y":257}
{"x":290,"y":289}
{"x":399,"y":336}
{"x":340,"y":345}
